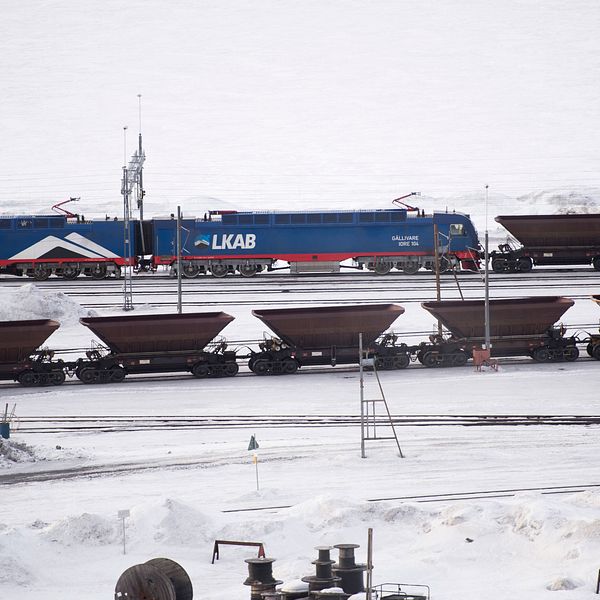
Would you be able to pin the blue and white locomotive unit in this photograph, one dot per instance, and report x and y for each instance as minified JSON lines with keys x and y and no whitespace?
{"x":42,"y":245}
{"x":225,"y":242}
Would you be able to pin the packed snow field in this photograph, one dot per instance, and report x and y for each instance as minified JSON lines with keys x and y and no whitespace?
{"x":294,"y":105}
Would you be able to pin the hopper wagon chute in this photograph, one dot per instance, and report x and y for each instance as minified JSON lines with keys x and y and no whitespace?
{"x":518,"y":327}
{"x":161,"y":343}
{"x":20,"y":359}
{"x":593,"y":342}
{"x":325,"y":336}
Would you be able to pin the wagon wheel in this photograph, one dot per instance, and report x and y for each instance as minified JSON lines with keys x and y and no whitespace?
{"x":260,"y":367}
{"x":56,"y":377}
{"x":98,"y":272}
{"x":524,"y":265}
{"x":410,"y":268}
{"x":430,"y":359}
{"x":401,"y":361}
{"x":87,"y":375}
{"x":570,"y":353}
{"x":116,"y":373}
{"x":248,"y":270}
{"x":190,"y":270}
{"x":541,"y":354}
{"x":498,"y":265}
{"x":459,"y":359}
{"x":290,"y":366}
{"x":231,"y":369}
{"x":382,"y":268}
{"x":70,"y":272}
{"x":27,"y":378}
{"x":41,"y":273}
{"x":200,"y":370}
{"x":219,"y":270}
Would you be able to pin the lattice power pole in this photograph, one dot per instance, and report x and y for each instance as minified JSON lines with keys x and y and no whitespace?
{"x":131,"y":182}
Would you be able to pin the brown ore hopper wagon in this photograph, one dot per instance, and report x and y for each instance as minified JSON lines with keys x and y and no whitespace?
{"x":518,"y":327}
{"x":326,"y":336}
{"x":549,"y":240}
{"x":162,"y":343}
{"x":19,"y":358}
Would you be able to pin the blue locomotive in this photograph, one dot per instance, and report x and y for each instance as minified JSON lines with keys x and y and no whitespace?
{"x":42,"y":245}
{"x":378,"y":240}
{"x":224,"y":242}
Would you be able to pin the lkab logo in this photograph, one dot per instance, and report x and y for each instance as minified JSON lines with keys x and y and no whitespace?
{"x":227,"y":241}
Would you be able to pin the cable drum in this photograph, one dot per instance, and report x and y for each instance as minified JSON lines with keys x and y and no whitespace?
{"x":157,"y":579}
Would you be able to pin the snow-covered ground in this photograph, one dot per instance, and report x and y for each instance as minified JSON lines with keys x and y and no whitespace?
{"x":303,"y":104}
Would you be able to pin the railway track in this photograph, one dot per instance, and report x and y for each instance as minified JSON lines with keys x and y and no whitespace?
{"x":135,"y":423}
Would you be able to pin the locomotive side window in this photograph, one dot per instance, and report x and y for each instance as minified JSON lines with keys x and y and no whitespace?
{"x":246,"y":220}
{"x":457,"y":229}
{"x":330,"y":218}
{"x":282,"y":219}
{"x":298,"y":219}
{"x":382,"y":217}
{"x":4,"y":223}
{"x":24,"y":224}
{"x":313,"y":218}
{"x":398,"y":216}
{"x":40,"y":223}
{"x":365,"y":217}
{"x":346,"y":217}
{"x":261,"y":219}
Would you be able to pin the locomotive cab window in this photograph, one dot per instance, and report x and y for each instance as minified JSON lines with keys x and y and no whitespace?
{"x":457,"y":229}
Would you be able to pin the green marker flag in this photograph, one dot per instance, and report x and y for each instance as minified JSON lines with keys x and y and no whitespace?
{"x":253,"y":445}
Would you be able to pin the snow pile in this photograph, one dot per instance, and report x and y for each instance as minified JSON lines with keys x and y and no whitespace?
{"x":15,"y":452}
{"x":30,"y":302}
{"x":85,"y":529}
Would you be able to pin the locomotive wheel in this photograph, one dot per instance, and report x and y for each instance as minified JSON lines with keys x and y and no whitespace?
{"x":87,"y":375}
{"x":190,"y":271}
{"x":27,"y":378}
{"x":98,"y":272}
{"x":248,"y":270}
{"x":596,"y":352}
{"x":116,"y":374}
{"x":410,"y":268}
{"x":524,"y":265}
{"x":382,"y":268}
{"x":430,"y":359}
{"x":200,"y":370}
{"x":541,"y":354}
{"x":231,"y":369}
{"x":459,"y":359}
{"x":401,"y":361}
{"x":41,"y":273}
{"x":590,"y":349}
{"x":570,"y":353}
{"x":260,"y":367}
{"x":70,"y":273}
{"x":56,"y":377}
{"x":219,"y":270}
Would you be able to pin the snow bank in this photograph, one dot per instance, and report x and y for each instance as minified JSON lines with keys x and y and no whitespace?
{"x":85,"y":529}
{"x":15,"y":452}
{"x":29,"y":302}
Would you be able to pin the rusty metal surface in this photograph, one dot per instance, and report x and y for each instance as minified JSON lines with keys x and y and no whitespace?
{"x":553,"y":230}
{"x":144,"y":582}
{"x":509,"y":317}
{"x":158,"y":333}
{"x":323,"y":327}
{"x":18,"y":339}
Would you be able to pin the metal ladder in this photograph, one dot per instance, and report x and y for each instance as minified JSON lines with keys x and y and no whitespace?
{"x":368,"y":408}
